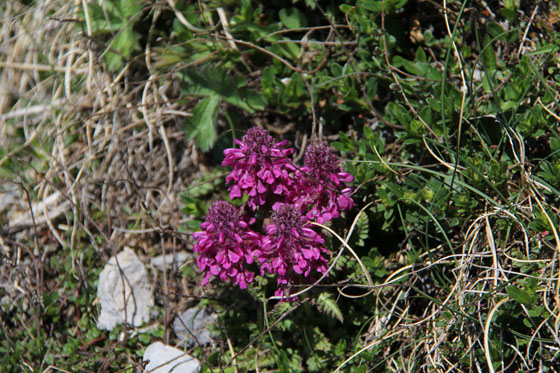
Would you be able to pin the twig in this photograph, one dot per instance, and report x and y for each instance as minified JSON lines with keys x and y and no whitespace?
{"x":548,"y":111}
{"x":232,"y":352}
{"x":30,"y":110}
{"x":37,"y":67}
{"x":487,"y":332}
{"x":527,"y":30}
{"x":225,"y":25}
{"x":182,"y":18}
{"x":301,"y":29}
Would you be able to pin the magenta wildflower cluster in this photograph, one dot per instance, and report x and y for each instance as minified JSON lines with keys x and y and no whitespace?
{"x":271,"y":233}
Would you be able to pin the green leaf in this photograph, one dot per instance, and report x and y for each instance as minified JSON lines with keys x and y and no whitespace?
{"x":314,"y":364}
{"x":495,"y":30}
{"x":536,"y":311}
{"x":489,"y":55}
{"x":97,"y":18}
{"x":283,"y":361}
{"x":380,"y":5}
{"x":520,"y":296}
{"x":129,"y":8}
{"x":206,"y":81}
{"x":201,"y":124}
{"x":362,"y":228}
{"x":327,"y":304}
{"x":145,"y":338}
{"x":421,"y":55}
{"x":509,"y":14}
{"x":289,"y":50}
{"x":369,"y":134}
{"x":340,"y":348}
{"x":554,"y":144}
{"x":268,"y":82}
{"x":214,"y":357}
{"x":374,"y":265}
{"x":292,"y":18}
{"x":215,"y":81}
{"x":323,"y":343}
{"x":124,"y":44}
{"x":116,"y":19}
{"x":294,"y":90}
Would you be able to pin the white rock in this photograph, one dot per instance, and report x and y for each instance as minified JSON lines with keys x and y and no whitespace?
{"x":166,"y":359}
{"x":194,"y":322}
{"x":52,"y":207}
{"x":125,"y":295}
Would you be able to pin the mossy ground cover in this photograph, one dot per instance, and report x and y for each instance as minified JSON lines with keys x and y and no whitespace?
{"x":113,"y":120}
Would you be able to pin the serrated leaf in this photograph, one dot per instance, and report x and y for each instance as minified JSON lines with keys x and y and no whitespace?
{"x":340,"y":348}
{"x":314,"y":363}
{"x":215,"y":81}
{"x":207,"y":81}
{"x":323,"y":344}
{"x":326,"y":304}
{"x":201,"y":124}
{"x":362,"y":229}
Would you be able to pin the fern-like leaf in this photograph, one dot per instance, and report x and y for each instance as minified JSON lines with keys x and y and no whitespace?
{"x":362,"y":229}
{"x":327,"y":305}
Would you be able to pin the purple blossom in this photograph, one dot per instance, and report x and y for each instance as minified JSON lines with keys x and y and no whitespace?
{"x":321,"y":184}
{"x":261,"y":168}
{"x":225,"y":244}
{"x":287,"y":199}
{"x":291,"y":249}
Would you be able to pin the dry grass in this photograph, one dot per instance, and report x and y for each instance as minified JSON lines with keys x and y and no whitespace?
{"x":90,"y":161}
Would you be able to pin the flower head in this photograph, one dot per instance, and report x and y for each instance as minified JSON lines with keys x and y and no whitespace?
{"x":225,"y":244}
{"x":261,"y":168}
{"x":286,"y":199}
{"x":291,"y":249}
{"x":320,"y":161}
{"x":321,"y":184}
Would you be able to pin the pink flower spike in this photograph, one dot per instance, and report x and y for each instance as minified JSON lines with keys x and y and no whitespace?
{"x":225,"y":244}
{"x":321,"y":183}
{"x":261,"y":168}
{"x":291,"y":249}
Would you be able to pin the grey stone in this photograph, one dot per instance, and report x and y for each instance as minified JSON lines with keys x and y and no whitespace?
{"x":125,"y":295}
{"x":165,"y":359}
{"x":49,"y":208}
{"x":175,"y":260}
{"x":194,"y":321}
